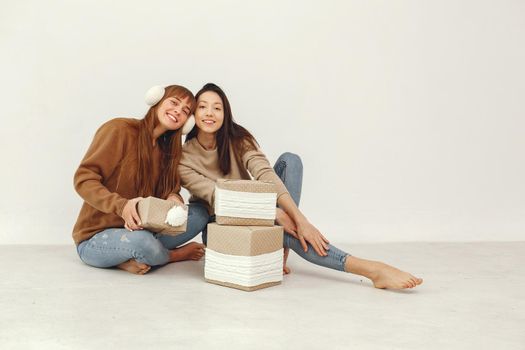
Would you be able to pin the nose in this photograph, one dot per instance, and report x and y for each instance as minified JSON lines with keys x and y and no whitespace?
{"x":177,"y":109}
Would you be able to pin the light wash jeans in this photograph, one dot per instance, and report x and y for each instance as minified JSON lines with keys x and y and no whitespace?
{"x":289,"y":168}
{"x":114,"y":246}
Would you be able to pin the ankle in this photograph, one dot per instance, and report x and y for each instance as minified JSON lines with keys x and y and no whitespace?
{"x":174,"y":254}
{"x":362,"y":267}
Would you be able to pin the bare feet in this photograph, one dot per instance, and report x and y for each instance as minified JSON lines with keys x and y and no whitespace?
{"x":134,"y":266}
{"x":387,"y":276}
{"x":286,"y":269}
{"x":381,"y":274}
{"x":190,"y":251}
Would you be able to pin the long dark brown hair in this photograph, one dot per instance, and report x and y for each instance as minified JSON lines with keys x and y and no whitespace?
{"x":170,"y":145}
{"x":230,"y":134}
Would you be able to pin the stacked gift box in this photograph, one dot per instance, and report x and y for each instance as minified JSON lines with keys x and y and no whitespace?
{"x":245,"y":248}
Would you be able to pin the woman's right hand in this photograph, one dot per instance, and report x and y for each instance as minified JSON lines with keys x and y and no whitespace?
{"x":309,"y":233}
{"x":131,"y":216}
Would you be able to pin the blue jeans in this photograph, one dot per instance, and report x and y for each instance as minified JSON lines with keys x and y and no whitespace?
{"x":289,"y":168}
{"x":114,"y":246}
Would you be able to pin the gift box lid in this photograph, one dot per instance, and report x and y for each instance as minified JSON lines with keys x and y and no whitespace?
{"x":254,"y":186}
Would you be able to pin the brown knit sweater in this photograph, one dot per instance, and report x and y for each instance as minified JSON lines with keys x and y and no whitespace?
{"x":199,"y":169}
{"x":105,"y":177}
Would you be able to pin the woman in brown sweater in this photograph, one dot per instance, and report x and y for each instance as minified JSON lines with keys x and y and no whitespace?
{"x":127,"y":160}
{"x":221,"y":148}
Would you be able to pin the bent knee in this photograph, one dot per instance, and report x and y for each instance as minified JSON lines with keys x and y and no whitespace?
{"x":291,"y":159}
{"x":198,"y":214}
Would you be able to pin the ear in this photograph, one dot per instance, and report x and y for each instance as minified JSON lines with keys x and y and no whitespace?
{"x":154,"y":95}
{"x":190,"y":123}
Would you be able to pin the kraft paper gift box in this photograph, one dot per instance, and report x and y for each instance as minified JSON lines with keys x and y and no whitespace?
{"x":153,"y":214}
{"x":244,"y":257}
{"x":245,"y":202}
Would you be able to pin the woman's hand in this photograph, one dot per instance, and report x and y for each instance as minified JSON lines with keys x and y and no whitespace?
{"x":175,"y":198}
{"x":307,"y":232}
{"x":131,"y":216}
{"x":286,"y":222}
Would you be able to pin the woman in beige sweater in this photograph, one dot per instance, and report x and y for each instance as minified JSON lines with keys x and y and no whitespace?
{"x":221,"y":148}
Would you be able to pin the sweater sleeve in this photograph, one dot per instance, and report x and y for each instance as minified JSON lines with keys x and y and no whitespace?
{"x":197,"y":184}
{"x":103,"y":156}
{"x":259,"y":167}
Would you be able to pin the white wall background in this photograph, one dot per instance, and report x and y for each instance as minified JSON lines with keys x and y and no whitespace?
{"x":409,"y":115}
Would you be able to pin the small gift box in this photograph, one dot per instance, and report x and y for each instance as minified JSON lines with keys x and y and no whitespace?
{"x":245,"y":202}
{"x":244,"y":257}
{"x":162,"y":216}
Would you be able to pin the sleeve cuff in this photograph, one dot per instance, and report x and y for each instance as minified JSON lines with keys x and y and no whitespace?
{"x":121,"y":203}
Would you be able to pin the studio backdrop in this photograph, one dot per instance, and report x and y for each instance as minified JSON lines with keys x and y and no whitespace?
{"x":408,"y":115}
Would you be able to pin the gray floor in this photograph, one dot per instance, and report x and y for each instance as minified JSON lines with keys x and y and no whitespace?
{"x":473,"y":297}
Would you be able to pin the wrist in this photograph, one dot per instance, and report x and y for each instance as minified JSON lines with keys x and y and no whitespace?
{"x":174,"y":197}
{"x":296,"y":215}
{"x":301,"y":221}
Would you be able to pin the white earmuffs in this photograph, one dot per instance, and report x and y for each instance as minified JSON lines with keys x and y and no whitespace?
{"x":155,"y":94}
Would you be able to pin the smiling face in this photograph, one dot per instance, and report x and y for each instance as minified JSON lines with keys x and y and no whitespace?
{"x":209,"y":114}
{"x":173,"y":112}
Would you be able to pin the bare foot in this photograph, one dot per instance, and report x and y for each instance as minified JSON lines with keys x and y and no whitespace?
{"x":386,"y":276}
{"x":190,"y":251}
{"x":134,"y":266}
{"x":382,"y":275}
{"x":286,"y":269}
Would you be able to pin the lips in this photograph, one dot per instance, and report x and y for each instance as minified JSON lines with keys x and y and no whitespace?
{"x":172,"y":118}
{"x":208,"y":121}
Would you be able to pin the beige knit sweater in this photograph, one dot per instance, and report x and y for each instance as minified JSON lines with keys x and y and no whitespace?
{"x":199,"y":169}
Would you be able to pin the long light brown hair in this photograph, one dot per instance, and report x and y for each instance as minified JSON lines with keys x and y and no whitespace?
{"x":170,"y":144}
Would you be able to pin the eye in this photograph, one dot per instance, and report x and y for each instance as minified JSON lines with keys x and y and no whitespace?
{"x":201,"y":107}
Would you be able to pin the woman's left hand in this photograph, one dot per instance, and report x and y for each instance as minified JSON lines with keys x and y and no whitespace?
{"x":286,"y":222}
{"x":309,"y":233}
{"x":175,"y":198}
